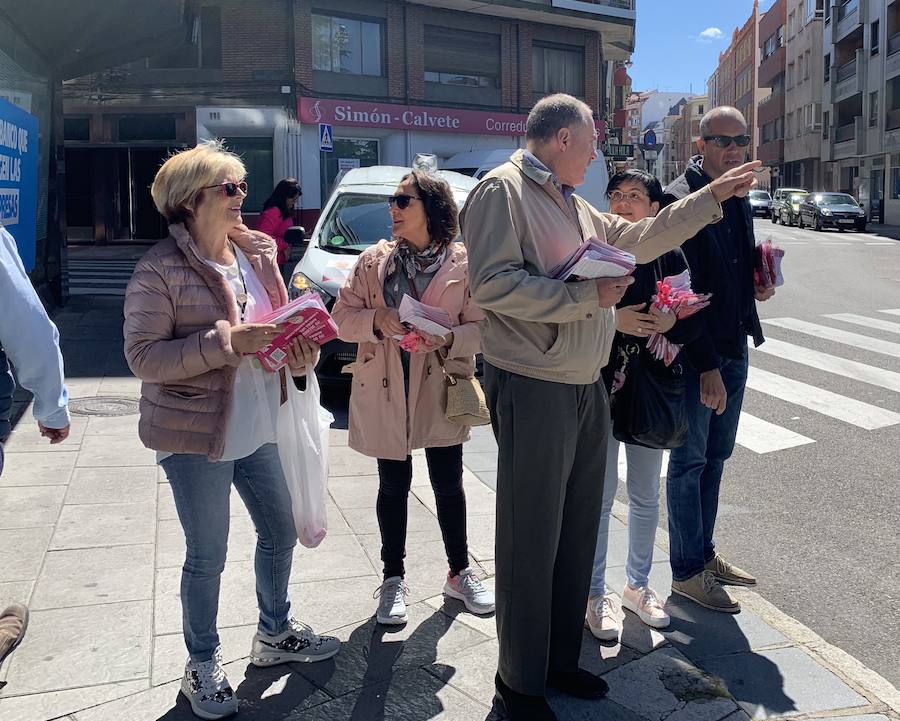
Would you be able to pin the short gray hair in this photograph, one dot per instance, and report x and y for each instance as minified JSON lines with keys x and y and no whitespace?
{"x":722,"y":111}
{"x":554,"y":112}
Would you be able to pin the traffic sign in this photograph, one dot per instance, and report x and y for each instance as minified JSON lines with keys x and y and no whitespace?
{"x":650,"y":139}
{"x":326,"y":137}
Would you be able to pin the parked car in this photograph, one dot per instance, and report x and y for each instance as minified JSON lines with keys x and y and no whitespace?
{"x":354,"y":217}
{"x":832,"y":210}
{"x":781,"y":197}
{"x":789,"y":208}
{"x":760,"y":203}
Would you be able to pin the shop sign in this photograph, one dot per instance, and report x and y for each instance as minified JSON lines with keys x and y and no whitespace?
{"x":18,"y":178}
{"x":364,"y":114}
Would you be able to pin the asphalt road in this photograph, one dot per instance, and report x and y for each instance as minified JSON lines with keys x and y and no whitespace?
{"x":819,"y":523}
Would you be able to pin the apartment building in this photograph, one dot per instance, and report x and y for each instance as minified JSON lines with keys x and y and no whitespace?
{"x":392,"y":78}
{"x":861,"y":103}
{"x":803,"y":95}
{"x":771,"y":76}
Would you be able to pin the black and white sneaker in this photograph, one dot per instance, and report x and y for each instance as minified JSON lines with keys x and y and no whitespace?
{"x":207,"y":689}
{"x":296,"y":643}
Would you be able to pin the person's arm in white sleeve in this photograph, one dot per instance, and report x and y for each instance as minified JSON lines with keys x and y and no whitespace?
{"x":30,"y":339}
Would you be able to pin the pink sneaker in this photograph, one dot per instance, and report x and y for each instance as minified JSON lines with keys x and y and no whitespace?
{"x":646,"y":605}
{"x":603,"y":616}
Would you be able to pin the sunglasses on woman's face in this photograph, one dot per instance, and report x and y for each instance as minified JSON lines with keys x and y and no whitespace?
{"x":230,"y":189}
{"x":723,"y":141}
{"x":401,"y":200}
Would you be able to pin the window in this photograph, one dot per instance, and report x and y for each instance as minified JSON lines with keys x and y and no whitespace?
{"x":258,"y":159}
{"x":806,"y":65}
{"x":77,"y":128}
{"x":873,"y":109}
{"x":800,"y":60}
{"x":146,"y":127}
{"x":204,"y":52}
{"x":827,"y":10}
{"x":814,"y":9}
{"x":775,"y":41}
{"x":557,"y":69}
{"x":344,"y":45}
{"x":790,"y":75}
{"x":895,"y":183}
{"x":461,"y":57}
{"x":825,"y":118}
{"x":792,"y":24}
{"x":789,"y":126}
{"x":827,"y":70}
{"x":873,"y":37}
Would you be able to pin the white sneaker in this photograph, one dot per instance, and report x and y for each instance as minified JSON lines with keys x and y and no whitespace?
{"x":296,"y":643}
{"x":392,"y":604}
{"x":644,"y":602}
{"x":603,"y":616}
{"x":468,"y":588}
{"x":207,"y":689}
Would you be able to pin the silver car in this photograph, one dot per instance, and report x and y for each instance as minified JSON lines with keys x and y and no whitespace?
{"x":760,"y":203}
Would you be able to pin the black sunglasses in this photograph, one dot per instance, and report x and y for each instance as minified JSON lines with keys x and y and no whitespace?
{"x":402,"y":200}
{"x":723,"y":141}
{"x":231,"y":189}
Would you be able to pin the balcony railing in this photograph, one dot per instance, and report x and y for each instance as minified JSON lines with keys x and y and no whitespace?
{"x":846,"y":71}
{"x":843,"y":133}
{"x":847,"y":8}
{"x":892,"y":119}
{"x":893,"y":44}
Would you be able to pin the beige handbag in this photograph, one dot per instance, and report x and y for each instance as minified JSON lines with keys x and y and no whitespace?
{"x":466,"y":405}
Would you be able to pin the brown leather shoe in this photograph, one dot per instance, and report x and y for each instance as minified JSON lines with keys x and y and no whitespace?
{"x":728,"y":573}
{"x":13,"y":622}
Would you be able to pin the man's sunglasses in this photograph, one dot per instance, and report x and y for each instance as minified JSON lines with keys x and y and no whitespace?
{"x":402,"y":200}
{"x":231,"y":189}
{"x":723,"y":141}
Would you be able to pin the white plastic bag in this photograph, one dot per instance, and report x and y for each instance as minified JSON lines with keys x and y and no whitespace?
{"x":303,"y":448}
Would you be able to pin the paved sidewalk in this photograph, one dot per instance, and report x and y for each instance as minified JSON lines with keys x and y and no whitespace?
{"x":89,"y":537}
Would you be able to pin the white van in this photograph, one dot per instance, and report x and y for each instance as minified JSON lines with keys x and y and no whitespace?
{"x":355,"y":217}
{"x":478,"y":163}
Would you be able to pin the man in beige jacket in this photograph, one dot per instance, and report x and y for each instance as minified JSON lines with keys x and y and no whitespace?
{"x":544,"y":343}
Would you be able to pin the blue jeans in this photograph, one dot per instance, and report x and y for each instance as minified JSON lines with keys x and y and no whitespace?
{"x":642,"y":482}
{"x":202,"y":490}
{"x":7,"y":390}
{"x":695,"y":470}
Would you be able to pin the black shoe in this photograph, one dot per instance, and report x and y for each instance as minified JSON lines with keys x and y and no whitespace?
{"x":580,"y":683}
{"x":520,"y":706}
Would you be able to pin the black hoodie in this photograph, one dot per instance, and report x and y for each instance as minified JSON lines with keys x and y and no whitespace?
{"x":721,"y":258}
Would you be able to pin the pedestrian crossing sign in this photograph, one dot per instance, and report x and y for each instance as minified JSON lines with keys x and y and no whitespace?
{"x":326,"y":137}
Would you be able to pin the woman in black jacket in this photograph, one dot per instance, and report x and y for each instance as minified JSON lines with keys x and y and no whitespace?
{"x":633,"y":195}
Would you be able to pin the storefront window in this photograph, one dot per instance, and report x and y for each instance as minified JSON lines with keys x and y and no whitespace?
{"x":344,"y":45}
{"x":257,"y":156}
{"x":557,"y":69}
{"x":895,"y":183}
{"x":348,"y":153}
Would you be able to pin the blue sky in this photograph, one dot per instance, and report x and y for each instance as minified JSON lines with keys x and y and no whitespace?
{"x":678,"y":41}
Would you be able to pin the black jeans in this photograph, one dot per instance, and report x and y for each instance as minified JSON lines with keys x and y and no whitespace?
{"x":445,"y":469}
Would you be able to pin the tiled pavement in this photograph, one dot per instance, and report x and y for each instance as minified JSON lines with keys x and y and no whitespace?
{"x":89,"y":537}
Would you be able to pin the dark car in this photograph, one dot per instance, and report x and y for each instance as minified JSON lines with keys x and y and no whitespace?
{"x":789,"y":210}
{"x":760,"y":203}
{"x":832,"y":210}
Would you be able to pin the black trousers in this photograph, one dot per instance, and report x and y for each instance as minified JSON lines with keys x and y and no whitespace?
{"x":445,"y":469}
{"x":552,"y":458}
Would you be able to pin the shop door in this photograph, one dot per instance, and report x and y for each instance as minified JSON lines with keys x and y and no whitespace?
{"x":876,"y":190}
{"x":256,"y":153}
{"x":348,"y":153}
{"x":146,"y":222}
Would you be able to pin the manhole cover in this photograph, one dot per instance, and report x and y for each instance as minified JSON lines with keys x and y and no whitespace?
{"x":103,"y":406}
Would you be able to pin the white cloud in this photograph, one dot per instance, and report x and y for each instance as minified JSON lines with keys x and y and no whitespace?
{"x":710,"y":34}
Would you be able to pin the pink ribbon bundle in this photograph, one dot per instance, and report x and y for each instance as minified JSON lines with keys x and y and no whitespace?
{"x":674,"y":295}
{"x":767,"y":272}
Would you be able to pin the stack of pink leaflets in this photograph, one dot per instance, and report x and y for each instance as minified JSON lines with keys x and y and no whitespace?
{"x":306,"y":316}
{"x":674,"y":295}
{"x":594,"y":259}
{"x":768,"y":265}
{"x":428,"y":318}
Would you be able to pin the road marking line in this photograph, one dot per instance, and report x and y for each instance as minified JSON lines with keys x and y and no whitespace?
{"x":874,"y":323}
{"x":857,"y":340}
{"x":881,"y":243}
{"x":833,"y":405}
{"x":892,"y":311}
{"x":837,"y":243}
{"x":763,"y":437}
{"x":889,"y":380}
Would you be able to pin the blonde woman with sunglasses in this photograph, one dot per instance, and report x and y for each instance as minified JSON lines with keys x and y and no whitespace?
{"x":191,"y":323}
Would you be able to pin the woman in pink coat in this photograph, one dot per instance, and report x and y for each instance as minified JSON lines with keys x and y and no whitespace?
{"x":278,"y":215}
{"x":398,"y":398}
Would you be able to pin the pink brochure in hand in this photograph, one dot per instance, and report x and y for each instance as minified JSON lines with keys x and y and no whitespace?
{"x":306,"y":316}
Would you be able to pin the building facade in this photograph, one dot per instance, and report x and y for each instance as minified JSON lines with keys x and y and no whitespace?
{"x":771,"y":76}
{"x":803,"y":95}
{"x":391,"y":78}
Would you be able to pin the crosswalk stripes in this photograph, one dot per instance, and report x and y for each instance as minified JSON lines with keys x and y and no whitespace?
{"x":876,"y":323}
{"x":99,"y":277}
{"x":761,"y":436}
{"x":834,"y":405}
{"x":857,"y":340}
{"x":892,"y":311}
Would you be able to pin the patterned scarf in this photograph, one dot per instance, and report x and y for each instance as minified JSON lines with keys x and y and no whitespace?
{"x":411,"y":262}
